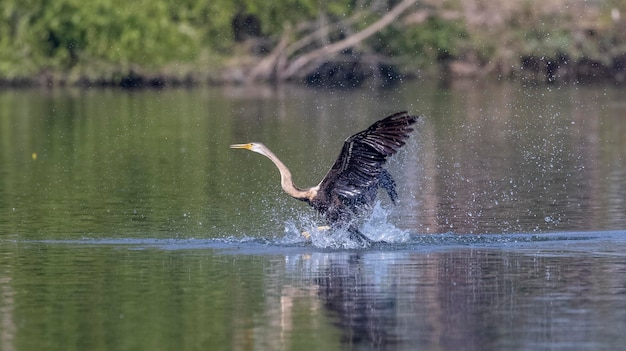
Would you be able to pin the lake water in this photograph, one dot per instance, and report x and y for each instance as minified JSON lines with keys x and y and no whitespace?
{"x":126,"y":222}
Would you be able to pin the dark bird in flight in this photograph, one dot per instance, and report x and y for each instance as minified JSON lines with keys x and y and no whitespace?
{"x":349,"y":189}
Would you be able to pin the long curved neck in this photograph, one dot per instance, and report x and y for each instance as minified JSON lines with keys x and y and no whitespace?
{"x":286,"y":182}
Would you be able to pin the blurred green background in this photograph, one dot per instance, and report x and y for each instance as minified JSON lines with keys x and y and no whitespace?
{"x":107,"y":41}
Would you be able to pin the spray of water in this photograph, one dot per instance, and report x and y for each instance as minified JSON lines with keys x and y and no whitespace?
{"x":376,"y":227}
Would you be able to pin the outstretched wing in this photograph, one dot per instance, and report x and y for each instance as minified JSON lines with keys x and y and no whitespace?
{"x":358,"y":172}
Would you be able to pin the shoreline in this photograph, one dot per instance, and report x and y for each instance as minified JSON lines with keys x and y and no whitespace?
{"x":538,"y":70}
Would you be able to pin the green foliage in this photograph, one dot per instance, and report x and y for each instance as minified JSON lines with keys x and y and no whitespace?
{"x":434,"y":40}
{"x":109,"y":39}
{"x":63,"y":34}
{"x":275,"y":15}
{"x":117,"y":35}
{"x":209,"y":20}
{"x":540,"y":42}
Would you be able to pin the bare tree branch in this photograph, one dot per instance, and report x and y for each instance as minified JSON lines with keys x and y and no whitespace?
{"x":299,"y":63}
{"x":266,"y":68}
{"x":280,"y":65}
{"x":320,"y":32}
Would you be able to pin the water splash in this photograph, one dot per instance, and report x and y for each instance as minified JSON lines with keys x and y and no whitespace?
{"x":376,"y":227}
{"x":306,"y":232}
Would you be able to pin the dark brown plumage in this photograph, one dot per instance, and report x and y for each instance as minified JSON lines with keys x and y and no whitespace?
{"x":349,"y":188}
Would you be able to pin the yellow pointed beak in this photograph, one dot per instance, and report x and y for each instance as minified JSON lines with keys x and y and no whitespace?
{"x":241,"y":146}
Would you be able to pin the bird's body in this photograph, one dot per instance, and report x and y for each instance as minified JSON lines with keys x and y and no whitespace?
{"x":350,"y":187}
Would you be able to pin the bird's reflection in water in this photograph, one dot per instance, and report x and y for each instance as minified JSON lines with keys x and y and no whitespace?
{"x":363,"y":313}
{"x":467,"y":298}
{"x":383,"y":300}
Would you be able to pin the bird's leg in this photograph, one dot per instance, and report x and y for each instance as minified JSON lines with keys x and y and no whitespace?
{"x":321,"y":228}
{"x":355,"y":234}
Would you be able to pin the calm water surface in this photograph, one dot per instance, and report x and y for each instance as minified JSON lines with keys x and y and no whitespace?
{"x":126,"y":222}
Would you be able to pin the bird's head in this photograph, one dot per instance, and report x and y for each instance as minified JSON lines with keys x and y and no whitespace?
{"x":256,"y":147}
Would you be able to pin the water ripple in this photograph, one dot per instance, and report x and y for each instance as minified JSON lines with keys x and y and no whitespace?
{"x":562,"y":243}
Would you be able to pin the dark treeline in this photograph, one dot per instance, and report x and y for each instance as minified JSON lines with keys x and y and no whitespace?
{"x":163,"y":42}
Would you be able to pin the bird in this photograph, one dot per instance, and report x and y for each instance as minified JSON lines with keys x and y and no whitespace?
{"x":348,"y":191}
